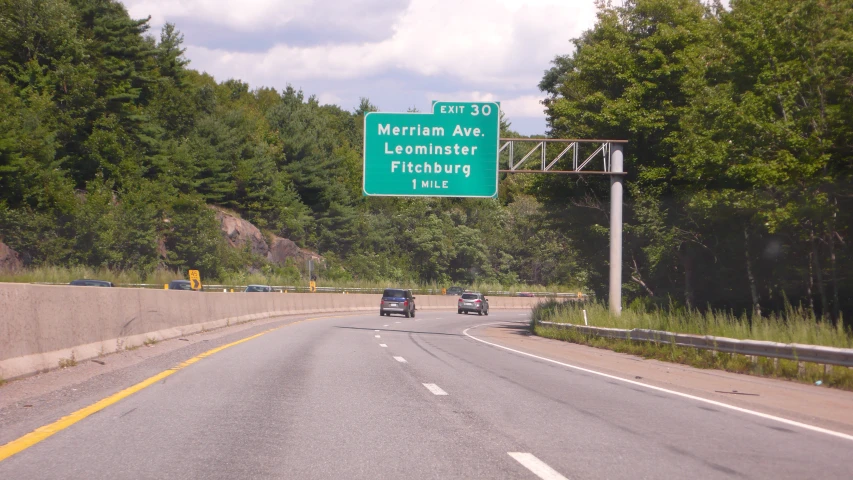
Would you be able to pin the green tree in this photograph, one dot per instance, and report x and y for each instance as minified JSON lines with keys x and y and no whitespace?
{"x":631,"y":77}
{"x":193,"y":239}
{"x":766,"y":139}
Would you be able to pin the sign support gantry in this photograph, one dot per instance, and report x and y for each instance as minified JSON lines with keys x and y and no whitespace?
{"x":532,"y":148}
{"x":610,"y":153}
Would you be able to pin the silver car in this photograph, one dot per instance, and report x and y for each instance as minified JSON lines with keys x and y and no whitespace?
{"x":473,"y":302}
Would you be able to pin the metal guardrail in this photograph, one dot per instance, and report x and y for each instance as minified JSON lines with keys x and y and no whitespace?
{"x":369,"y":290}
{"x":757,"y":348}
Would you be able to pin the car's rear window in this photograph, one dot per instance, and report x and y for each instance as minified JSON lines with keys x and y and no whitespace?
{"x":393,"y":293}
{"x":470,"y":296}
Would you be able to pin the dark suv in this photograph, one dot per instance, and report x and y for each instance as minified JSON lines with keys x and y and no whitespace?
{"x":473,"y":302}
{"x":455,"y":291}
{"x":397,"y":301}
{"x":180,"y":285}
{"x":91,"y":283}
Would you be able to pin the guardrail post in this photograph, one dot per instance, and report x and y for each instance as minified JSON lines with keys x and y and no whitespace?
{"x":616,"y":230}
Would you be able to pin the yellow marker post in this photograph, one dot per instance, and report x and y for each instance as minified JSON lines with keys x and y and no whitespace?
{"x":165,"y":286}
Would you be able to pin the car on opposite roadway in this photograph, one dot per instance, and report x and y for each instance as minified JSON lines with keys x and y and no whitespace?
{"x":91,"y":283}
{"x":397,"y":300}
{"x":455,"y":291}
{"x":258,"y":288}
{"x":525,"y":294}
{"x":473,"y":302}
{"x":180,"y":285}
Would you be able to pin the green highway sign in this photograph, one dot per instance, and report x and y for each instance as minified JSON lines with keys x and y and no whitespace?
{"x":451,"y":152}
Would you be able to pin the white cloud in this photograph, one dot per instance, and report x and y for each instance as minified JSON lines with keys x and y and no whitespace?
{"x":241,"y":15}
{"x":265,"y":21}
{"x":478,"y":41}
{"x":442,"y":46}
{"x":524,"y":106}
{"x":328,"y":98}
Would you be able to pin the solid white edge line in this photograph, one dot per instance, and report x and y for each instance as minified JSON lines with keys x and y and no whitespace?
{"x":538,"y":467}
{"x":383,"y":345}
{"x":435,"y":389}
{"x":400,"y":359}
{"x":661,"y":389}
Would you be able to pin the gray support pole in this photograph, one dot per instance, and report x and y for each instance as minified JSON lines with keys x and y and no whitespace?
{"x":616,"y":230}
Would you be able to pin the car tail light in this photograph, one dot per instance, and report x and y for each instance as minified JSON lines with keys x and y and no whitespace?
{"x":477,"y":301}
{"x":460,"y":300}
{"x":406,"y":303}
{"x":382,"y":302}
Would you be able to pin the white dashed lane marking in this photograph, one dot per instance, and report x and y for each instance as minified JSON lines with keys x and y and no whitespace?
{"x":377,"y":336}
{"x":435,"y":389}
{"x":400,"y":359}
{"x":383,"y":345}
{"x":540,"y":468}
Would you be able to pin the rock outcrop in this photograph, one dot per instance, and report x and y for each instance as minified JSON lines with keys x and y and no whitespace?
{"x":282,"y":249}
{"x":240,"y":232}
{"x":10,"y":260}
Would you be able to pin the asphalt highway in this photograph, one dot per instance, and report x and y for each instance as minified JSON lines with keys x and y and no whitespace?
{"x":364,"y":396}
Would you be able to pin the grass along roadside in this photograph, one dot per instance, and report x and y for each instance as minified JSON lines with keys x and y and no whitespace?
{"x":796,"y":326}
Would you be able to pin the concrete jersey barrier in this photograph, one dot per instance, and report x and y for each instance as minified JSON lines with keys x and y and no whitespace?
{"x":42,"y":325}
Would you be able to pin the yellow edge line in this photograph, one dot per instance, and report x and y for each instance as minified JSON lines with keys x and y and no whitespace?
{"x":41,"y":433}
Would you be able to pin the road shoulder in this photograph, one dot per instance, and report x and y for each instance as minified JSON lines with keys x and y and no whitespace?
{"x":818,"y":406}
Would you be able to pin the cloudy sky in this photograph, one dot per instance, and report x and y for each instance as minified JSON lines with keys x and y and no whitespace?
{"x":398,"y":53}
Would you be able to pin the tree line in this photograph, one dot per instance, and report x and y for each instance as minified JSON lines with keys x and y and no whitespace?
{"x":112,"y":150}
{"x":740,"y":153}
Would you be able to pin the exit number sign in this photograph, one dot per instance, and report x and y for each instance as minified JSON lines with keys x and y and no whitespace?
{"x":450,"y":152}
